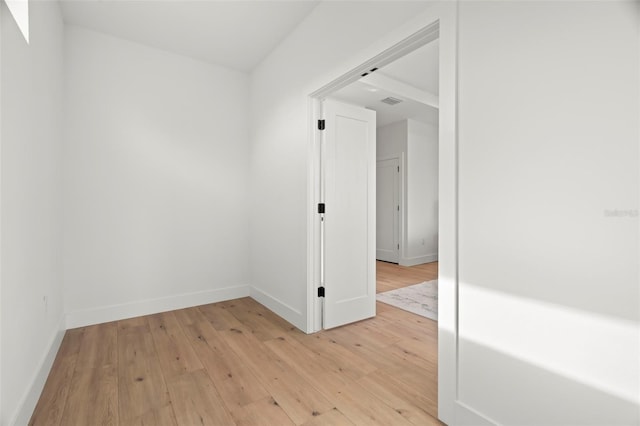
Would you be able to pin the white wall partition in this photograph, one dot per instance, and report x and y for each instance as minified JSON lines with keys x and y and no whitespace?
{"x":548,"y":305}
{"x":422,"y":194}
{"x":392,"y":140}
{"x":308,"y":58}
{"x":416,"y":145}
{"x":156,"y":180}
{"x":31,"y":207}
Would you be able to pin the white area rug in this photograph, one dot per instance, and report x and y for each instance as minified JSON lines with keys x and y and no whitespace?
{"x":421,"y":299}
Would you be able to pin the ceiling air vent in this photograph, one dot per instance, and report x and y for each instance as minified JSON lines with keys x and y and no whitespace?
{"x":391,"y":101}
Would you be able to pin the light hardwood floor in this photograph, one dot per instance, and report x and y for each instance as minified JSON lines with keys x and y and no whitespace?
{"x":237,"y":363}
{"x":391,"y":276}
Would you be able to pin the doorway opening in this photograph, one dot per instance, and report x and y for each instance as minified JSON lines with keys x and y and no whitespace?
{"x":404,"y":95}
{"x":401,"y":87}
{"x":441,"y":25}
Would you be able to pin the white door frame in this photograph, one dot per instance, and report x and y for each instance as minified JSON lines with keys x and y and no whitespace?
{"x":439,"y":21}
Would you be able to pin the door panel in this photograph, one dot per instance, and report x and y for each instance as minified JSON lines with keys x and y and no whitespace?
{"x":387,"y":210}
{"x":349,"y":221}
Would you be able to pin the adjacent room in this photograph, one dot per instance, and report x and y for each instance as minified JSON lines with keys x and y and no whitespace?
{"x":404,"y":95}
{"x":239,"y":212}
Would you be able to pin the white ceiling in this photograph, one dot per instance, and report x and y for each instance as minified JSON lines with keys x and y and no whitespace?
{"x":418,"y":69}
{"x":361,"y":94}
{"x":235,"y":34}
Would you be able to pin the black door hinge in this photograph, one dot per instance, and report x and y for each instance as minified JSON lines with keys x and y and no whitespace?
{"x":321,"y":208}
{"x":320,"y":291}
{"x":320,"y":124}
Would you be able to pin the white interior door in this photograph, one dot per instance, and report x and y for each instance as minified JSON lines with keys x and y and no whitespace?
{"x":388,"y":210}
{"x":349,"y":222}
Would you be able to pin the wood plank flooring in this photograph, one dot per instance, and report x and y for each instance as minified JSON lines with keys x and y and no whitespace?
{"x":237,"y":363}
{"x":391,"y":276}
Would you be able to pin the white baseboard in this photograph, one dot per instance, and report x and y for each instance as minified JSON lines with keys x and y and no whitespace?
{"x":467,"y":416}
{"x":104,"y":314}
{"x":418,"y":260}
{"x":30,"y":399}
{"x":285,"y":311}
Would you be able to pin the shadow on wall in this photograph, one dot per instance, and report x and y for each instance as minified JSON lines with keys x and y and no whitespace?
{"x":511,"y":391}
{"x":564,"y":273}
{"x":526,"y":361}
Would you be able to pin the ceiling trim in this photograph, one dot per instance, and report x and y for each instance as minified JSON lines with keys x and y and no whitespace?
{"x":392,"y":85}
{"x":409,"y":44}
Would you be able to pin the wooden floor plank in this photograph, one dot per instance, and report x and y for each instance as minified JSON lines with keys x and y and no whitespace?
{"x":253,"y":353}
{"x":332,"y":417}
{"x":175,"y":353}
{"x":219,"y":316}
{"x":189,"y":315}
{"x":245,"y":310}
{"x":99,"y":346}
{"x":300,"y":400}
{"x":93,"y":397}
{"x":410,"y":350}
{"x":132,"y":323}
{"x":276,"y":321}
{"x":357,"y":343}
{"x":158,"y":417}
{"x":395,"y":395}
{"x":265,"y":412}
{"x":372,"y":334}
{"x":236,"y":362}
{"x":363,"y":408}
{"x":324,"y":376}
{"x":196,"y":401}
{"x":141,"y":386}
{"x":390,"y":276}
{"x":419,"y":386}
{"x":51,"y":404}
{"x":336,"y":356}
{"x":237,"y":386}
{"x":423,"y":329}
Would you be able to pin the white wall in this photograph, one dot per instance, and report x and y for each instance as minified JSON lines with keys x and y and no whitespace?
{"x":416,"y":145}
{"x":156,"y":180}
{"x":304,"y":62}
{"x":422,"y":193}
{"x":391,"y":140}
{"x":31,"y":207}
{"x":548,"y":145}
